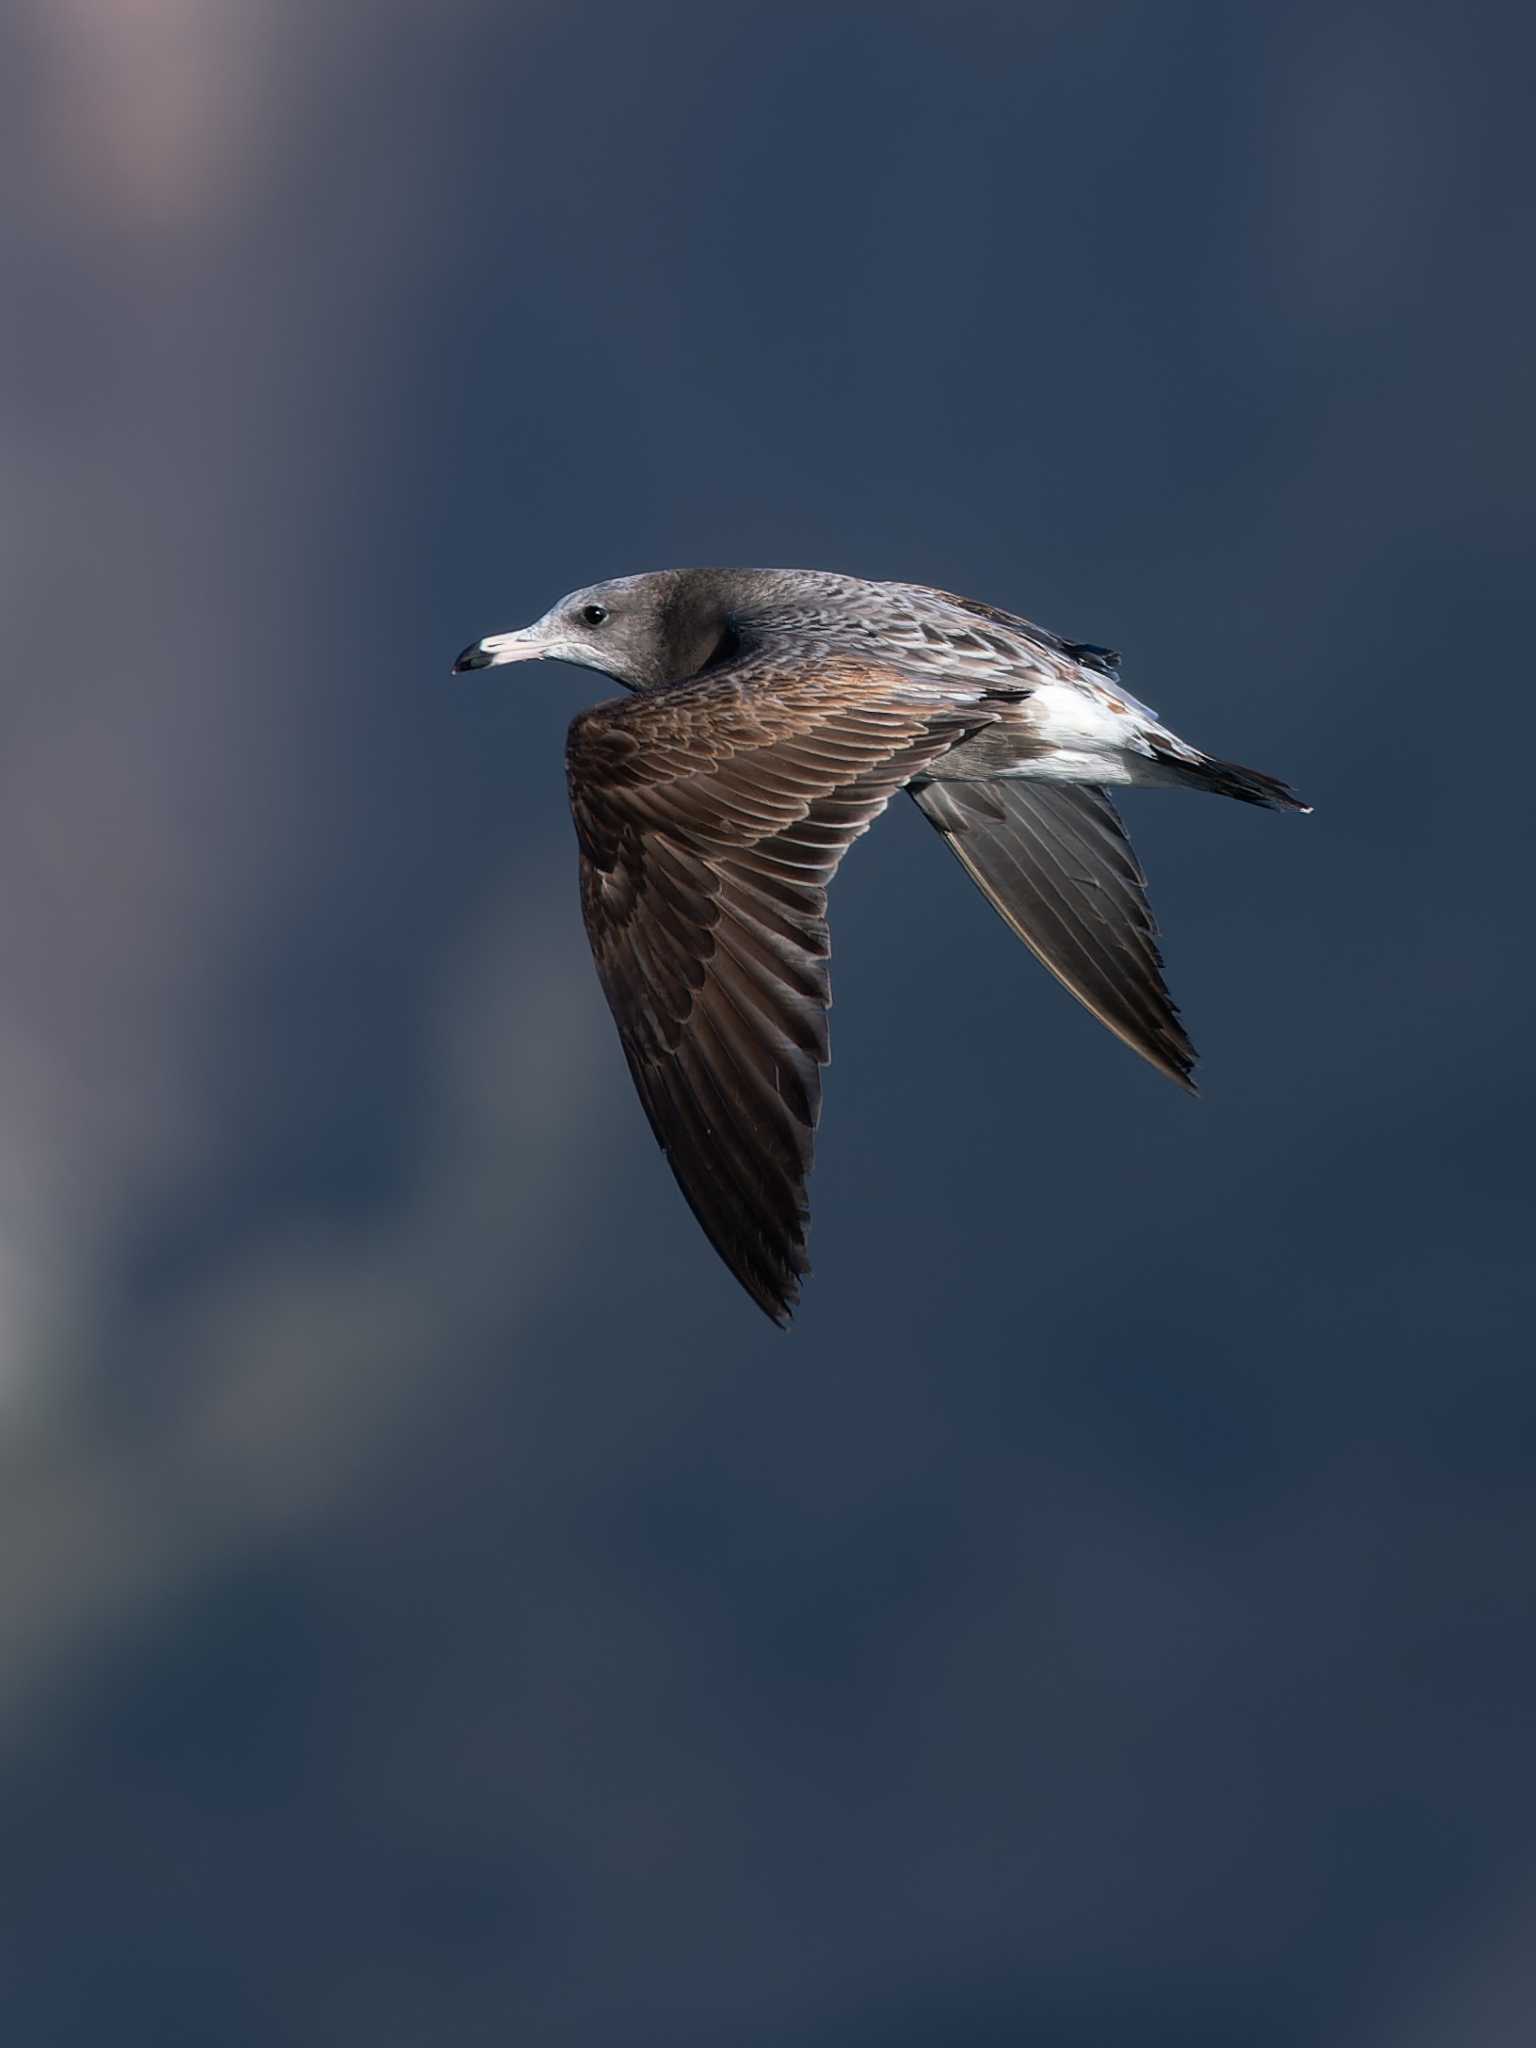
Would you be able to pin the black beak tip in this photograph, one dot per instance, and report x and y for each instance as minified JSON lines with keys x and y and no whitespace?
{"x":474,"y":656}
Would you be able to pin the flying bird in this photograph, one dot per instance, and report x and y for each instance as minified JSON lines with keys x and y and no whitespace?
{"x":775,"y":714}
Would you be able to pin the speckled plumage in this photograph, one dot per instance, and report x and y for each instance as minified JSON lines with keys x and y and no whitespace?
{"x":776,"y":713}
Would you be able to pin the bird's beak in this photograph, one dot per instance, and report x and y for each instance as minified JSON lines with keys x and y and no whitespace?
{"x":527,"y":645}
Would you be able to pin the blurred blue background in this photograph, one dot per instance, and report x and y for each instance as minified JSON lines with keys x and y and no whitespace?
{"x":434,"y":1605}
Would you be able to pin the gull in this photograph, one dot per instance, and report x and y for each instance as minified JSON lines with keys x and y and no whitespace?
{"x":774,"y":714}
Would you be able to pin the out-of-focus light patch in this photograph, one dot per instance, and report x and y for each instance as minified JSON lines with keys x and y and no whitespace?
{"x":146,"y":107}
{"x":50,"y":1267}
{"x":1476,"y":1984}
{"x":49,"y":1262}
{"x":308,"y":1354}
{"x":20,"y":1322}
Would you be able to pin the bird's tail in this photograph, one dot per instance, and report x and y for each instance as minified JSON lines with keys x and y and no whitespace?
{"x":1226,"y":778}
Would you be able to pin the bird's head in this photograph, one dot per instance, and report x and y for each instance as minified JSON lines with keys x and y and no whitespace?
{"x":641,"y":630}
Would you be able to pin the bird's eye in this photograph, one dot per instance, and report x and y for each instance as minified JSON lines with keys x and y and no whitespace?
{"x":594,"y":614}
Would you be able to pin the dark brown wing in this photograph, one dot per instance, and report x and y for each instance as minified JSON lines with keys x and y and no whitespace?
{"x":711,"y":820}
{"x":1054,"y":861}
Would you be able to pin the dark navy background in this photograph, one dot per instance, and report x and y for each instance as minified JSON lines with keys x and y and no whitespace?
{"x":435,"y":1606}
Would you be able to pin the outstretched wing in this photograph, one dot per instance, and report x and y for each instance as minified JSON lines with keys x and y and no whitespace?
{"x":1053,"y":860}
{"x":711,"y":820}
